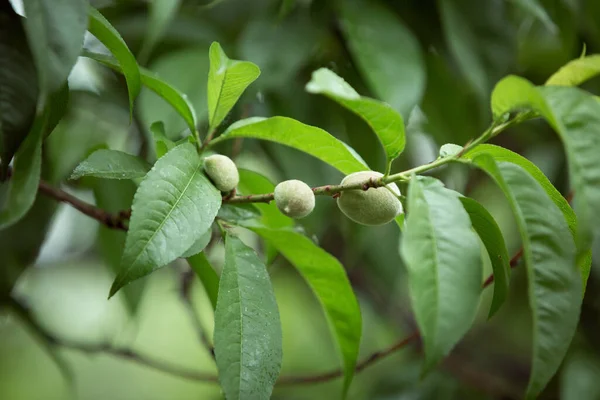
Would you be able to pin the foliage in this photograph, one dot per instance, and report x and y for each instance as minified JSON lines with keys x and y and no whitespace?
{"x":156,"y":195}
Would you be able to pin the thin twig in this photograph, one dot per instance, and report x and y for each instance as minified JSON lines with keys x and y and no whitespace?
{"x":514,"y":261}
{"x":367,"y":362}
{"x":106,"y":348}
{"x":115,"y":221}
{"x":187,"y":279}
{"x":208,"y":138}
{"x":199,"y":376}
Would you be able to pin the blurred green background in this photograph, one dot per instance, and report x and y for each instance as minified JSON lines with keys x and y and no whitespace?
{"x":434,"y":61}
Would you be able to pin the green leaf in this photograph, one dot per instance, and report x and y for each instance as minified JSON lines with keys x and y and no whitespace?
{"x":227,"y":80}
{"x":239,"y":212}
{"x":386,"y":53}
{"x":174,"y":206}
{"x":23,"y":185}
{"x":18,"y":86}
{"x":56,"y":108}
{"x":115,"y":196}
{"x":575,"y":116}
{"x":443,"y":258}
{"x":162,"y":13}
{"x":500,"y":154}
{"x":108,"y":35}
{"x":479,"y":38}
{"x":199,"y":245}
{"x":486,"y":227}
{"x":327,"y":279}
{"x":549,"y":252}
{"x":55,"y":30}
{"x":575,"y":72}
{"x":207,"y":275}
{"x":515,"y":93}
{"x":162,"y":144}
{"x":111,"y":164}
{"x":450,"y":149}
{"x":306,"y":138}
{"x":537,"y":10}
{"x":383,"y":119}
{"x":248,"y":346}
{"x":20,"y":244}
{"x":166,"y":91}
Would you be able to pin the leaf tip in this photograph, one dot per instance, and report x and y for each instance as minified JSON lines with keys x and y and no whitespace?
{"x":115,"y":287}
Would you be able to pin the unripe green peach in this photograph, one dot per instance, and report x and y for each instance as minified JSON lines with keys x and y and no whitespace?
{"x":294,"y":198}
{"x":222,"y":172}
{"x":375,"y":206}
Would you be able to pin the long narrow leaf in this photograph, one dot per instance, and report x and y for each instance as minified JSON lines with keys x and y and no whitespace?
{"x":550,"y":257}
{"x":110,"y":37}
{"x":387,"y":124}
{"x":443,"y":258}
{"x":247,"y":326}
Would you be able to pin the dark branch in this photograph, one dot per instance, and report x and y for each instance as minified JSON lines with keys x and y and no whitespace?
{"x":114,"y":221}
{"x":367,"y":362}
{"x":105,"y":348}
{"x":187,"y":279}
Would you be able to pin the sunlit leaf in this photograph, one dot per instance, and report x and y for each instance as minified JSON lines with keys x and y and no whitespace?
{"x":18,"y":86}
{"x":450,"y":149}
{"x":385,"y":51}
{"x":248,"y":345}
{"x":169,"y":93}
{"x":550,"y":258}
{"x":489,"y":232}
{"x":442,"y":254}
{"x":174,"y":206}
{"x":111,"y":164}
{"x":227,"y":80}
{"x":515,"y":93}
{"x":110,"y":37}
{"x":575,"y":72}
{"x":306,"y":138}
{"x":383,"y":119}
{"x":55,"y":30}
{"x":327,"y":278}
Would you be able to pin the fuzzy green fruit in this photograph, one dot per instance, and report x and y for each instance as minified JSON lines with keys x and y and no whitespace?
{"x":294,"y":198}
{"x":375,"y":206}
{"x":222,"y":172}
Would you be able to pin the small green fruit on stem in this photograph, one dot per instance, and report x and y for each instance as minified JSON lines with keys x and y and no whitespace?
{"x":222,"y":172}
{"x":294,"y":198}
{"x":374,"y":206}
